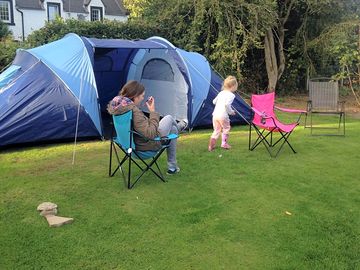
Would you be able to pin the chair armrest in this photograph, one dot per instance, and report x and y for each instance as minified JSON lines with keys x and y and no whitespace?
{"x":171,"y":136}
{"x":289,"y":110}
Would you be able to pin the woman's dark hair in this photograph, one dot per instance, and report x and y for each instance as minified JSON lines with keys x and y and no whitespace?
{"x":132,"y":89}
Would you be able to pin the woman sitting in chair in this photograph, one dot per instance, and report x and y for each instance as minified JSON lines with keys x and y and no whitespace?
{"x":130,"y":98}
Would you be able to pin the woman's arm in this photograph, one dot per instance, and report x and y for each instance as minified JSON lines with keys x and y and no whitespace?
{"x":148,"y":127}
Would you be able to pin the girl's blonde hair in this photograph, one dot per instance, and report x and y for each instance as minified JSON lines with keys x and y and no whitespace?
{"x":229,"y":82}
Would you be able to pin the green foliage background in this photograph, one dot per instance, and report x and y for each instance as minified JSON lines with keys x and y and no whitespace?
{"x":7,"y":52}
{"x":99,"y":29}
{"x":4,"y":30}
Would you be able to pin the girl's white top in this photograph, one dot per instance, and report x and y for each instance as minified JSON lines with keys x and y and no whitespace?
{"x":223,"y":103}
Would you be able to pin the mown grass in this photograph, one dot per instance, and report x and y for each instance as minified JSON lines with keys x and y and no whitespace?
{"x":224,"y":210}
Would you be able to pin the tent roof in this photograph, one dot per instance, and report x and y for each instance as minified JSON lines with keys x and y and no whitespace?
{"x":126,"y":44}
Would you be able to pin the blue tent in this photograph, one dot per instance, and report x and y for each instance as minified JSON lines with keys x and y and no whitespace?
{"x":53,"y":90}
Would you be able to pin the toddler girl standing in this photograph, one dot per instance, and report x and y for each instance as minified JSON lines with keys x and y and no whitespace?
{"x":222,"y":110}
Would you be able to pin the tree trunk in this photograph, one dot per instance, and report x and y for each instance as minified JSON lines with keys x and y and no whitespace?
{"x":270,"y":60}
{"x":275,"y":57}
{"x":281,"y":53}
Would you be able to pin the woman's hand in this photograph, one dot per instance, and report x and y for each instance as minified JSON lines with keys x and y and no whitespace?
{"x":150,"y":103}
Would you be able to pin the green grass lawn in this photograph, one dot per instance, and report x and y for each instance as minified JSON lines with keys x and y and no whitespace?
{"x":224,"y":210}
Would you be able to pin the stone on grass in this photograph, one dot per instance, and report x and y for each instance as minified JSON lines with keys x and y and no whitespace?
{"x":49,"y":211}
{"x":56,"y":221}
{"x":46,"y":206}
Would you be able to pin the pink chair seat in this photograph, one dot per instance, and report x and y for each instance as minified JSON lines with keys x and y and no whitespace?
{"x":278,"y":126}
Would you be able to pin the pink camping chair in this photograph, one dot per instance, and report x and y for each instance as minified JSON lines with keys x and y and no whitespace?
{"x":266,"y":124}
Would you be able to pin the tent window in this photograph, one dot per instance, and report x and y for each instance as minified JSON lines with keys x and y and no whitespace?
{"x":158,"y":69}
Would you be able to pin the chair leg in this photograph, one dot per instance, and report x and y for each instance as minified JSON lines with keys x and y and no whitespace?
{"x":144,"y":171}
{"x":129,"y":182}
{"x":285,"y":138}
{"x":261,"y":139}
{"x":342,"y":121}
{"x":113,"y":149}
{"x":258,"y":139}
{"x":162,"y":177}
{"x":250,"y":136}
{"x":111,"y":145}
{"x":129,"y":173}
{"x":340,"y":126}
{"x":306,"y":119}
{"x":149,"y":166}
{"x":270,"y":145}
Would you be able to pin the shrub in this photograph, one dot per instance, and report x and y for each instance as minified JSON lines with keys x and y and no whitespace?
{"x":7,"y":52}
{"x":4,"y":30}
{"x":99,"y":29}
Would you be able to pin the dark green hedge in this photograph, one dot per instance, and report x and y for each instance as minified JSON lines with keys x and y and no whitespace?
{"x":105,"y":29}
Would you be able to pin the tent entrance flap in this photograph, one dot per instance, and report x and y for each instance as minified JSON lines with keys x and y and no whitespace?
{"x":162,"y":79}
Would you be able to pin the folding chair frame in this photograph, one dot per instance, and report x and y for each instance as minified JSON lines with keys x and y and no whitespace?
{"x":266,"y":124}
{"x":131,"y":155}
{"x":341,"y":124}
{"x":269,"y":143}
{"x":131,"y":158}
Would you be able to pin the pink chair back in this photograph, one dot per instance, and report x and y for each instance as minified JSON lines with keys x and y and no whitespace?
{"x":264,"y":104}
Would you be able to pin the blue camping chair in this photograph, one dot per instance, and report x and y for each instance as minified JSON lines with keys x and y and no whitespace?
{"x":124,"y":140}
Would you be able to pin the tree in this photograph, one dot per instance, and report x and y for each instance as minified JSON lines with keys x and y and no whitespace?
{"x":341,"y":42}
{"x":7,"y":52}
{"x":222,"y":30}
{"x":136,"y":7}
{"x":7,"y":46}
{"x":274,"y":51}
